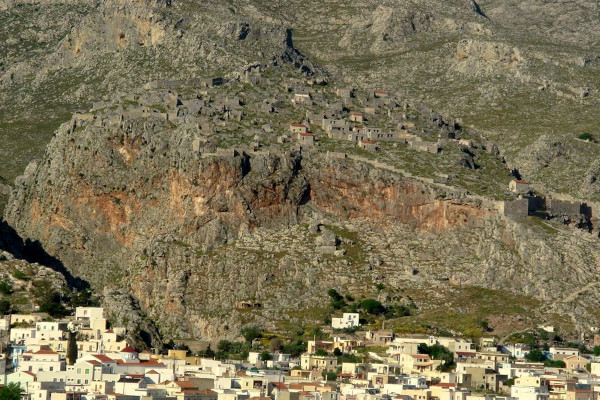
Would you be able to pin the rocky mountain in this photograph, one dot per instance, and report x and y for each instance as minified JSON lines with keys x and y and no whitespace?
{"x":172,"y":188}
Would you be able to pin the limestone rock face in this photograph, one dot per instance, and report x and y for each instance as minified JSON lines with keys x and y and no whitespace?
{"x":180,"y":234}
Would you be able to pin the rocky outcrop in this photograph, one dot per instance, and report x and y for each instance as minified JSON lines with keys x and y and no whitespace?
{"x":475,"y":57}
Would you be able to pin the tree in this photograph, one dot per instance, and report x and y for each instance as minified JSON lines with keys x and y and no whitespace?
{"x":265,"y":356}
{"x":224,"y":346}
{"x":330,"y":376}
{"x":56,"y":310}
{"x":4,"y":306}
{"x":439,"y":352}
{"x":209,"y":353}
{"x":484,"y":325}
{"x":320,"y":352}
{"x":275,"y":345}
{"x":295,"y":348}
{"x":250,"y":333}
{"x":337,"y":352}
{"x":372,"y":306}
{"x":72,"y":349}
{"x":535,"y":356}
{"x":597,"y":350}
{"x":82,"y":298}
{"x":11,"y":391}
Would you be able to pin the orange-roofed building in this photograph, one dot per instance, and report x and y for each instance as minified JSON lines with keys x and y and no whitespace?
{"x":298,"y":128}
{"x":306,"y":138}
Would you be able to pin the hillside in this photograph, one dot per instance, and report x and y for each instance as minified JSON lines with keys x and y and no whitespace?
{"x":172,"y":184}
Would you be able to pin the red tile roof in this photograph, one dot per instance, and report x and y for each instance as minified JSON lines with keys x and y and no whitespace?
{"x":186,"y":385}
{"x":280,"y":385}
{"x":128,"y":349}
{"x":367,"y":141}
{"x":104,"y":358}
{"x":306,"y":134}
{"x":45,"y":352}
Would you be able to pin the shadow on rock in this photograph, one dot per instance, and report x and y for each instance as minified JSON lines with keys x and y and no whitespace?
{"x":33,"y":252}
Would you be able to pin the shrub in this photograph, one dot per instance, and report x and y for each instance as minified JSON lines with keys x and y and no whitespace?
{"x":320,"y":352}
{"x":554,"y":364}
{"x":55,"y":310}
{"x":6,"y":287}
{"x":335,"y":296}
{"x":4,"y":306}
{"x":20,"y":275}
{"x":535,"y":356}
{"x":585,"y":136}
{"x":294,"y":348}
{"x":330,"y":376}
{"x":372,"y":306}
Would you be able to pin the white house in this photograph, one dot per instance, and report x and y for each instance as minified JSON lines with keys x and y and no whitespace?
{"x":93,"y":317}
{"x":529,"y":388}
{"x":50,"y":330}
{"x":348,"y":320}
{"x":559,"y":353}
{"x":517,"y":350}
{"x":41,"y":360}
{"x":21,"y":334}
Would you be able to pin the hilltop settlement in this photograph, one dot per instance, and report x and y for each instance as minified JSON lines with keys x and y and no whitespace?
{"x":81,"y":358}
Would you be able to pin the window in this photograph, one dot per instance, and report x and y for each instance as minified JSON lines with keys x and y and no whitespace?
{"x":87,"y":371}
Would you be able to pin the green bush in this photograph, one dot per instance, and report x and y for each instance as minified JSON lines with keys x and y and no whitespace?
{"x":4,"y":306}
{"x":335,"y":296}
{"x":585,"y":136}
{"x":294,"y":348}
{"x":535,"y":356}
{"x":554,"y":364}
{"x":55,"y":310}
{"x":439,"y":352}
{"x":372,"y":306}
{"x":6,"y":287}
{"x":20,"y":275}
{"x":330,"y":376}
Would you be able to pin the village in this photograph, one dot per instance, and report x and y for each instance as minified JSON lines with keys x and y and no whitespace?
{"x":258,"y":113}
{"x":352,"y":363}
